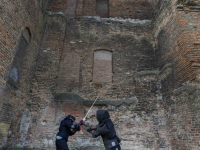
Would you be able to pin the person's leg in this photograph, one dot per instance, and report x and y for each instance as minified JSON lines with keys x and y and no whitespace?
{"x":61,"y":145}
{"x":57,"y":145}
{"x":118,"y":147}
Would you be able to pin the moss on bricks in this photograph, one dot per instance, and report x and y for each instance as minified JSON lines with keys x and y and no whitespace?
{"x":130,"y":101}
{"x":67,"y":97}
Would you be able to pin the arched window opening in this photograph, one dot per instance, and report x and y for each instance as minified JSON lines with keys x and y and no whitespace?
{"x":102,"y":8}
{"x":102,"y":69}
{"x":17,"y":63}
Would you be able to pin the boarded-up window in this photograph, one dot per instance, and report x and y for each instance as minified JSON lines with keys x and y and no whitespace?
{"x":71,"y":8}
{"x":19,"y":58}
{"x":102,"y":8}
{"x":102,"y":72}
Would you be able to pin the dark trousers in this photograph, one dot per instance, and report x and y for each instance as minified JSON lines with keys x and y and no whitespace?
{"x":118,"y":147}
{"x":61,"y":145}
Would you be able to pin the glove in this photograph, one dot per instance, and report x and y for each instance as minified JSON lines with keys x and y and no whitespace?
{"x":77,"y":127}
{"x":91,"y":128}
{"x":82,"y":122}
{"x":74,"y":131}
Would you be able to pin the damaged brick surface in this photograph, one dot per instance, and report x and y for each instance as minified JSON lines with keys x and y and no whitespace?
{"x":151,"y":89}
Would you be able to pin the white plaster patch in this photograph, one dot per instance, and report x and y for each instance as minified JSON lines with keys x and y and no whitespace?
{"x":46,"y":50}
{"x":45,"y":141}
{"x":25,"y":123}
{"x":54,"y":13}
{"x":129,"y":20}
{"x":72,"y":42}
{"x":43,"y":123}
{"x":159,"y":97}
{"x":124,"y":116}
{"x":14,"y":74}
{"x":51,"y":143}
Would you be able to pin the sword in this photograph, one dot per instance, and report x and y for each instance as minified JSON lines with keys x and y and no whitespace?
{"x":90,"y":108}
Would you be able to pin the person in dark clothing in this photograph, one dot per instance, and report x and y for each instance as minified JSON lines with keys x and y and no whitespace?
{"x":106,"y":130}
{"x":66,"y":129}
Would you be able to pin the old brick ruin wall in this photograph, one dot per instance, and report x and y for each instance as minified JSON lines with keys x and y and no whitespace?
{"x":147,"y":50}
{"x":179,"y":70}
{"x":21,"y":29}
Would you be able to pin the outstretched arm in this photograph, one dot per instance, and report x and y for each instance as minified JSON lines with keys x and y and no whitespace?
{"x":77,"y":127}
{"x":95,"y":131}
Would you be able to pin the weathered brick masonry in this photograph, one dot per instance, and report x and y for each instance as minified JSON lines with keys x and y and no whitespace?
{"x":148,"y":51}
{"x":17,"y":17}
{"x":177,"y":35}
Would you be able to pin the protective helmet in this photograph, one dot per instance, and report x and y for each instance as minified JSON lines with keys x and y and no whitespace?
{"x":71,"y":118}
{"x":102,"y":115}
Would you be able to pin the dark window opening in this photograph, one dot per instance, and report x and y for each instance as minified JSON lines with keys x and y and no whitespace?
{"x":102,"y":8}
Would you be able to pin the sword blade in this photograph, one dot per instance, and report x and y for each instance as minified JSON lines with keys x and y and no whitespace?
{"x":90,"y":108}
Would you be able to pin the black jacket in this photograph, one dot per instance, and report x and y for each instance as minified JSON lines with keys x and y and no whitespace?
{"x":65,"y":129}
{"x":106,"y":129}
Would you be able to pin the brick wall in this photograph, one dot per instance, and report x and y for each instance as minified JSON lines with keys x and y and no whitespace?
{"x":65,"y":65}
{"x":57,"y":5}
{"x":153,"y":96}
{"x":183,"y":118}
{"x":90,"y":34}
{"x":15,"y":17}
{"x":130,"y":9}
{"x":176,"y":32}
{"x":180,"y":51}
{"x":142,"y":9}
{"x":137,"y":129}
